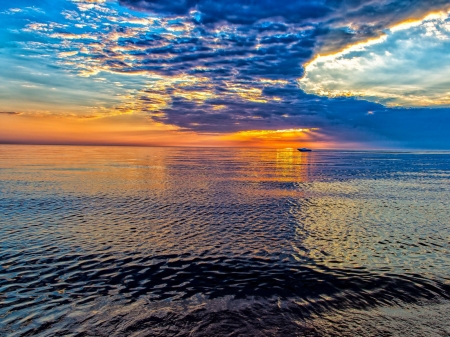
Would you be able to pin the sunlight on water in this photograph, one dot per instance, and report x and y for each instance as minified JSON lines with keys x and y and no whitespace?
{"x":122,"y":241}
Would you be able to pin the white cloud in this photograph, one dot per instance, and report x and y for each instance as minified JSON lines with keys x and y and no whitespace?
{"x":409,"y":66}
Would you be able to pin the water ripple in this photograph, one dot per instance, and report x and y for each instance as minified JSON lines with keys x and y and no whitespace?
{"x":196,"y":242}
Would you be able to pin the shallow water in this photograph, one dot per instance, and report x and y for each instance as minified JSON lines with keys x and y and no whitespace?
{"x":123,"y":241}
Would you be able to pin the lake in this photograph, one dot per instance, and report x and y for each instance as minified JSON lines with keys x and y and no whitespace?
{"x":129,"y":241}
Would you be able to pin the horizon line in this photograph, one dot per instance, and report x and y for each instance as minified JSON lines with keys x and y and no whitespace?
{"x":384,"y":149}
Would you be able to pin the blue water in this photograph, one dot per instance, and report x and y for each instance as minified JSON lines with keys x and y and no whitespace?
{"x":123,"y":241}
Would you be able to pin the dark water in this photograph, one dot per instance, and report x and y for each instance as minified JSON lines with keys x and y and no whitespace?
{"x":223,"y":242}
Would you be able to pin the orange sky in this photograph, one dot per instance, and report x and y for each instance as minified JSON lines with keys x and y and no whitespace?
{"x":141,"y":131}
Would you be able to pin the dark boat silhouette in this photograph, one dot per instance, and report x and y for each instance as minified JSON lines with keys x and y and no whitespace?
{"x":304,"y":149}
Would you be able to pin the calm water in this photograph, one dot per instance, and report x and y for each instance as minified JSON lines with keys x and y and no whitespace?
{"x":223,"y":242}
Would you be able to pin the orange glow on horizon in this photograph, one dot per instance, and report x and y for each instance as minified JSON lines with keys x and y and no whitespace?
{"x":286,"y":138}
{"x":139,"y":130}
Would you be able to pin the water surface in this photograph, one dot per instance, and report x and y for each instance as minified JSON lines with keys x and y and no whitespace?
{"x":123,"y":241}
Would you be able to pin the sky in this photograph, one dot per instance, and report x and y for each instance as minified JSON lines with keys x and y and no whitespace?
{"x":348,"y":74}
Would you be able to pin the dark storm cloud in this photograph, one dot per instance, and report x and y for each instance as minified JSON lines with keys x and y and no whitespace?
{"x":240,"y":12}
{"x":295,"y":109}
{"x":242,"y":53}
{"x":331,"y":18}
{"x":295,"y":11}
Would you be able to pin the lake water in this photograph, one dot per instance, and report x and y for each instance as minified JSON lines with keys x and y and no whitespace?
{"x":123,"y":241}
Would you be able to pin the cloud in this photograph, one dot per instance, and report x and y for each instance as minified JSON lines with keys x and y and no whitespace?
{"x":295,"y":11}
{"x":408,"y":67}
{"x":228,"y":66}
{"x":280,"y":106}
{"x":10,"y":113}
{"x":336,"y":23}
{"x":230,"y":39}
{"x":241,"y":12}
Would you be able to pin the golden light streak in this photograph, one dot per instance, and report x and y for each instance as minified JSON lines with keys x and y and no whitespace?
{"x":266,"y":133}
{"x":410,"y":23}
{"x":360,"y":46}
{"x":274,"y":138}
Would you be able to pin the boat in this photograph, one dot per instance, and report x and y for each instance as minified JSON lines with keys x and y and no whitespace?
{"x":304,"y":149}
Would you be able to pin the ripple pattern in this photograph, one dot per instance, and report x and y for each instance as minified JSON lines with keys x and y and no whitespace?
{"x":236,"y":242}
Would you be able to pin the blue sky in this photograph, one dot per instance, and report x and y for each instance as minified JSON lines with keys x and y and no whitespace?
{"x":348,"y":73}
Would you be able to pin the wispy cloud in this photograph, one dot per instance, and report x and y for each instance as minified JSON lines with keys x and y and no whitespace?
{"x":10,"y":113}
